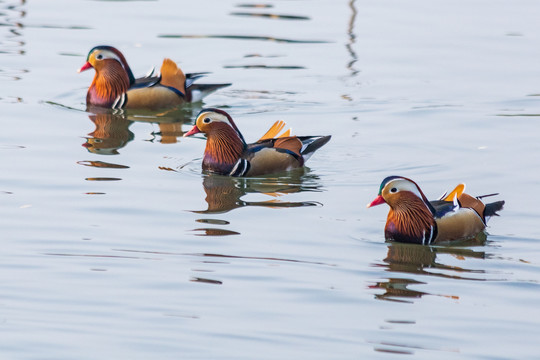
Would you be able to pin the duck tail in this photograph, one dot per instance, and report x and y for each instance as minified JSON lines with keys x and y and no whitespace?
{"x":172,"y":76}
{"x":492,"y":208}
{"x":310,"y":144}
{"x":196,"y":92}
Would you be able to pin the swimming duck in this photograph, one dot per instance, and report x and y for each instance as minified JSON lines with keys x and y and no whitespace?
{"x":114,"y":85}
{"x":414,"y":219}
{"x":227,"y":153}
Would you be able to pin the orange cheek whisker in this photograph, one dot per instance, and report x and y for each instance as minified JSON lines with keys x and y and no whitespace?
{"x":111,"y":81}
{"x":411,"y":217}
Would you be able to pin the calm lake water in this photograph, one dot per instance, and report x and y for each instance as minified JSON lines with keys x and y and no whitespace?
{"x":115,"y":246}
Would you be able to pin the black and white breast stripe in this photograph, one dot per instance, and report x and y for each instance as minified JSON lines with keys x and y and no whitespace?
{"x":120,"y":102}
{"x":428,"y":238}
{"x":240,"y":168}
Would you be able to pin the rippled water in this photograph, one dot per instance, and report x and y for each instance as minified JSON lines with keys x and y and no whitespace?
{"x":116,"y":246}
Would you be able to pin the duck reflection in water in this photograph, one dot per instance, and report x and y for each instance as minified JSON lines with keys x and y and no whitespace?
{"x":169,"y":121}
{"x":111,"y":133}
{"x":224,"y":193}
{"x":112,"y":127}
{"x":422,"y":260}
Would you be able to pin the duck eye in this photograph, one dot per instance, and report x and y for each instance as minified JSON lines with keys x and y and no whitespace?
{"x":393,"y":190}
{"x":206,"y":120}
{"x":99,"y":56}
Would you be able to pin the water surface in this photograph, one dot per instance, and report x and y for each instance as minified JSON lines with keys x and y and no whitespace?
{"x":115,"y":245}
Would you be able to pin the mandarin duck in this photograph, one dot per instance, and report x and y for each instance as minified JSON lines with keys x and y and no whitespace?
{"x":114,"y":85}
{"x":227,"y":153}
{"x":414,"y":219}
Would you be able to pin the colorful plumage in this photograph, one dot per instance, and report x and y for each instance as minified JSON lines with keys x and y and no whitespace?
{"x":114,"y":85}
{"x":414,"y":219}
{"x":227,"y":153}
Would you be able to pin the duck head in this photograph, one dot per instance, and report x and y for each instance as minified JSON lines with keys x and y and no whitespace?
{"x":395,"y":190}
{"x":113,"y":75}
{"x":411,"y":216}
{"x":225,"y":144}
